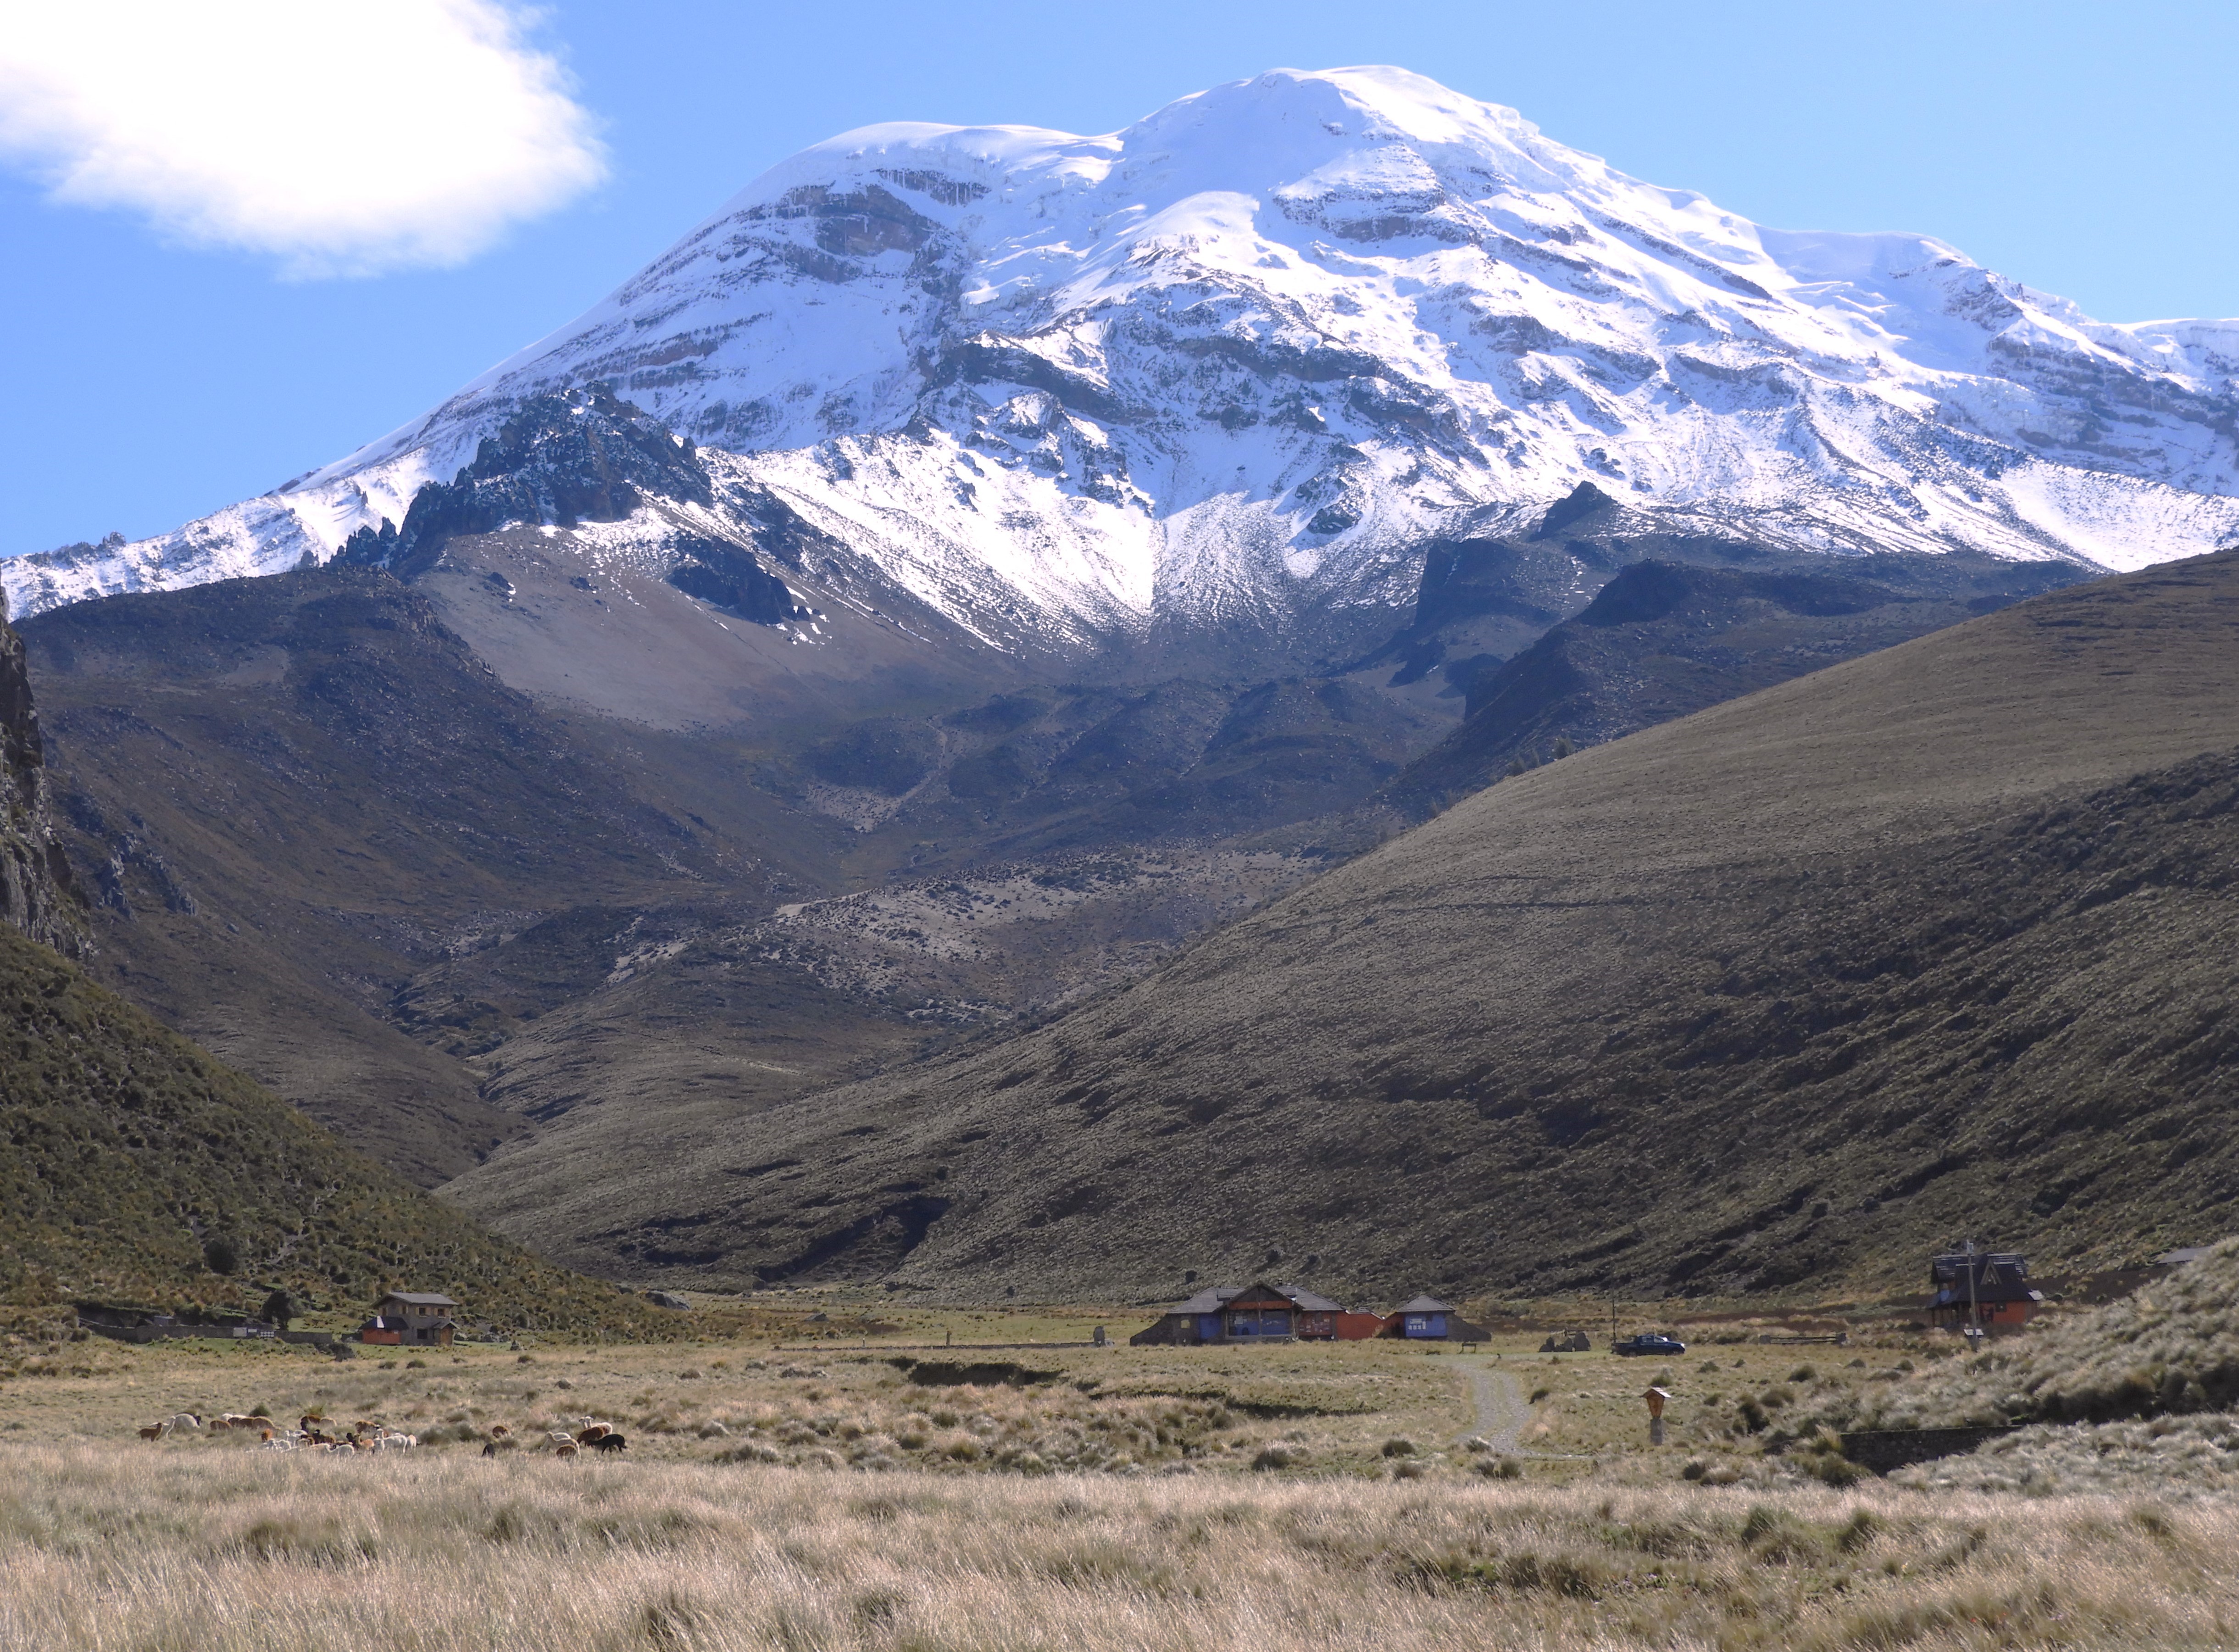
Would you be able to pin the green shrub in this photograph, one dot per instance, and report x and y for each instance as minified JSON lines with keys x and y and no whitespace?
{"x":1861,"y":1530}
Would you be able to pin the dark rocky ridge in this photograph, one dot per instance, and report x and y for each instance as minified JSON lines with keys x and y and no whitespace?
{"x":723,"y":574}
{"x":1665,"y":639}
{"x":578,"y":455}
{"x":1486,"y":596}
{"x":585,"y":456}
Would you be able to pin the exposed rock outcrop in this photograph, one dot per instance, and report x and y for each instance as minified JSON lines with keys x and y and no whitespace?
{"x":37,"y":894}
{"x":580,"y":455}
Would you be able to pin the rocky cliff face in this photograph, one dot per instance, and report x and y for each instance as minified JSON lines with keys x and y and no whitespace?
{"x":36,"y":893}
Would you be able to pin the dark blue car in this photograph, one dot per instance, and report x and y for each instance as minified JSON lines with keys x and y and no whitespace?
{"x":1649,"y":1343}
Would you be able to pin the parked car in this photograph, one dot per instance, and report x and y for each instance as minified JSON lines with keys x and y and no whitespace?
{"x":1649,"y":1342}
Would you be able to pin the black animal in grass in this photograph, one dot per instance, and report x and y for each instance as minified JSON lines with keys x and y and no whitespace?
{"x":600,"y":1437}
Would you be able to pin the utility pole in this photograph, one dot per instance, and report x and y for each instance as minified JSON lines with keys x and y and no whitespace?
{"x":1973,"y":1305}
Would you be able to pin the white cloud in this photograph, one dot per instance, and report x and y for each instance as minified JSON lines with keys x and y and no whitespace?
{"x":345,"y":137}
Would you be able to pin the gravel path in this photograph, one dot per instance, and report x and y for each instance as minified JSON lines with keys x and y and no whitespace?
{"x":1501,"y":1412}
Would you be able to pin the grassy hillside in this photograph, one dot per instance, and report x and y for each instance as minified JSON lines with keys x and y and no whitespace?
{"x":1932,"y":945}
{"x":133,"y":1163}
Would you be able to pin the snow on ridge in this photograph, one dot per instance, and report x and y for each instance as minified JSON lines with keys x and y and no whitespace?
{"x":1247,"y":353}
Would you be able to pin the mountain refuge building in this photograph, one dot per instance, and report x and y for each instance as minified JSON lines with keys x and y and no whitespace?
{"x":1992,"y":1286}
{"x":1256,"y":1313}
{"x":411,"y":1319}
{"x":1264,"y":1313}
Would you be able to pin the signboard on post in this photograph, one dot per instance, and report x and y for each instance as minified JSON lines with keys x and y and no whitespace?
{"x":1656,"y":1397}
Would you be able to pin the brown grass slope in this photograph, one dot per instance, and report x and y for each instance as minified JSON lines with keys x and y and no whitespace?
{"x":125,"y":1152}
{"x":1932,"y":943}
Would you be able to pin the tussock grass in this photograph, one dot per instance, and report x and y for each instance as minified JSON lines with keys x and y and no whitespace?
{"x":103,"y":1548}
{"x":2164,"y":1456}
{"x":2170,"y":1348}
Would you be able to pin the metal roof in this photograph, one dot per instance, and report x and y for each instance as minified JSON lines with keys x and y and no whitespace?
{"x":1424,"y":1305}
{"x":1985,"y":1264}
{"x":1214,"y":1298}
{"x":418,"y":1299}
{"x":1208,"y":1301}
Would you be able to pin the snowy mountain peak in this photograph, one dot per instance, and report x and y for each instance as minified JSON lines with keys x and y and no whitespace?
{"x":1236,"y":364}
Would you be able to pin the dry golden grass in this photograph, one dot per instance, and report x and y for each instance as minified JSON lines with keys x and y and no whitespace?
{"x":1104,"y":1410}
{"x":103,"y":1547}
{"x":778,"y":1499}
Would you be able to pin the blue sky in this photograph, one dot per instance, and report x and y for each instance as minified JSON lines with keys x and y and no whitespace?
{"x":2085,"y":149}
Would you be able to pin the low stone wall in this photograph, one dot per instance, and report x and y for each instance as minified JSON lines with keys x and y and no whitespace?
{"x":1885,"y":1450}
{"x":163,"y":1333}
{"x":223,"y":1333}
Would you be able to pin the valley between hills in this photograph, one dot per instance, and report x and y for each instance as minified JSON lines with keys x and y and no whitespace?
{"x":1771,"y":995}
{"x":551,"y":959}
{"x":725,"y":1008}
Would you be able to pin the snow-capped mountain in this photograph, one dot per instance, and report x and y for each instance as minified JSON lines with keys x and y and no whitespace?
{"x":1235,"y":365}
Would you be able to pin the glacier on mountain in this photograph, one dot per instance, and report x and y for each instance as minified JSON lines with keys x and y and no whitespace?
{"x":1235,"y":365}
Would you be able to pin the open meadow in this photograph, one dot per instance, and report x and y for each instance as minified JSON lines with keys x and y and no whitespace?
{"x":778,"y":1493}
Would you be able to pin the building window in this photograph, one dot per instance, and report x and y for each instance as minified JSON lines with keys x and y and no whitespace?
{"x":1270,"y":1322}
